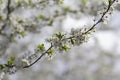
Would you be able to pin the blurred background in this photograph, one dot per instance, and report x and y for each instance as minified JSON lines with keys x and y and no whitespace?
{"x":97,"y":59}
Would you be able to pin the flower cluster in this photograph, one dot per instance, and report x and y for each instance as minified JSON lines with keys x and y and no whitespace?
{"x":78,"y":36}
{"x":57,"y":41}
{"x":107,"y":11}
{"x":8,"y":67}
{"x":61,"y":42}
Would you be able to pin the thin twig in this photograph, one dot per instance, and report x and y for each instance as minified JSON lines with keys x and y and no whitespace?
{"x":95,"y":24}
{"x":101,"y":19}
{"x":7,"y":18}
{"x":39,"y":57}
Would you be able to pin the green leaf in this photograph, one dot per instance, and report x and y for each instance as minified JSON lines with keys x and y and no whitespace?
{"x":72,"y":41}
{"x":65,"y":47}
{"x":67,"y":8}
{"x":60,"y":2}
{"x":11,"y":60}
{"x":1,"y":1}
{"x":51,"y":22}
{"x":20,"y":21}
{"x":41,"y":47}
{"x":30,"y":1}
{"x":1,"y":17}
{"x":41,"y":16}
{"x":110,"y":1}
{"x":22,"y":33}
{"x":19,"y":3}
{"x":1,"y":66}
{"x":50,"y":52}
{"x":59,"y":35}
{"x":84,"y":2}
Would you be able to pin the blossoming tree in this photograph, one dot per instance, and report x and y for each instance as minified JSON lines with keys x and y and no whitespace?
{"x":16,"y":24}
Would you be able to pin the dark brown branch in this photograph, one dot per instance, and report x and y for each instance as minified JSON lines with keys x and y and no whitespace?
{"x":8,"y":9}
{"x":7,"y":18}
{"x":39,"y":57}
{"x":101,"y":19}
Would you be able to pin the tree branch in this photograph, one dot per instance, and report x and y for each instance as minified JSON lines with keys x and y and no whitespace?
{"x":95,"y":24}
{"x":7,"y":18}
{"x":39,"y":57}
{"x":101,"y":19}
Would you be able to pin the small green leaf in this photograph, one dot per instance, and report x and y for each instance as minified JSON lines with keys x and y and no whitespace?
{"x":110,"y":1}
{"x":59,"y":35}
{"x":1,"y":17}
{"x":11,"y":60}
{"x":56,"y":12}
{"x":1,"y":66}
{"x":67,"y":8}
{"x":30,"y":1}
{"x":22,"y":33}
{"x":72,"y":41}
{"x":84,"y":2}
{"x":60,"y":2}
{"x":1,"y":1}
{"x":20,"y":21}
{"x":51,"y":22}
{"x":19,"y":3}
{"x":41,"y":16}
{"x":50,"y":52}
{"x":65,"y":47}
{"x":41,"y":47}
